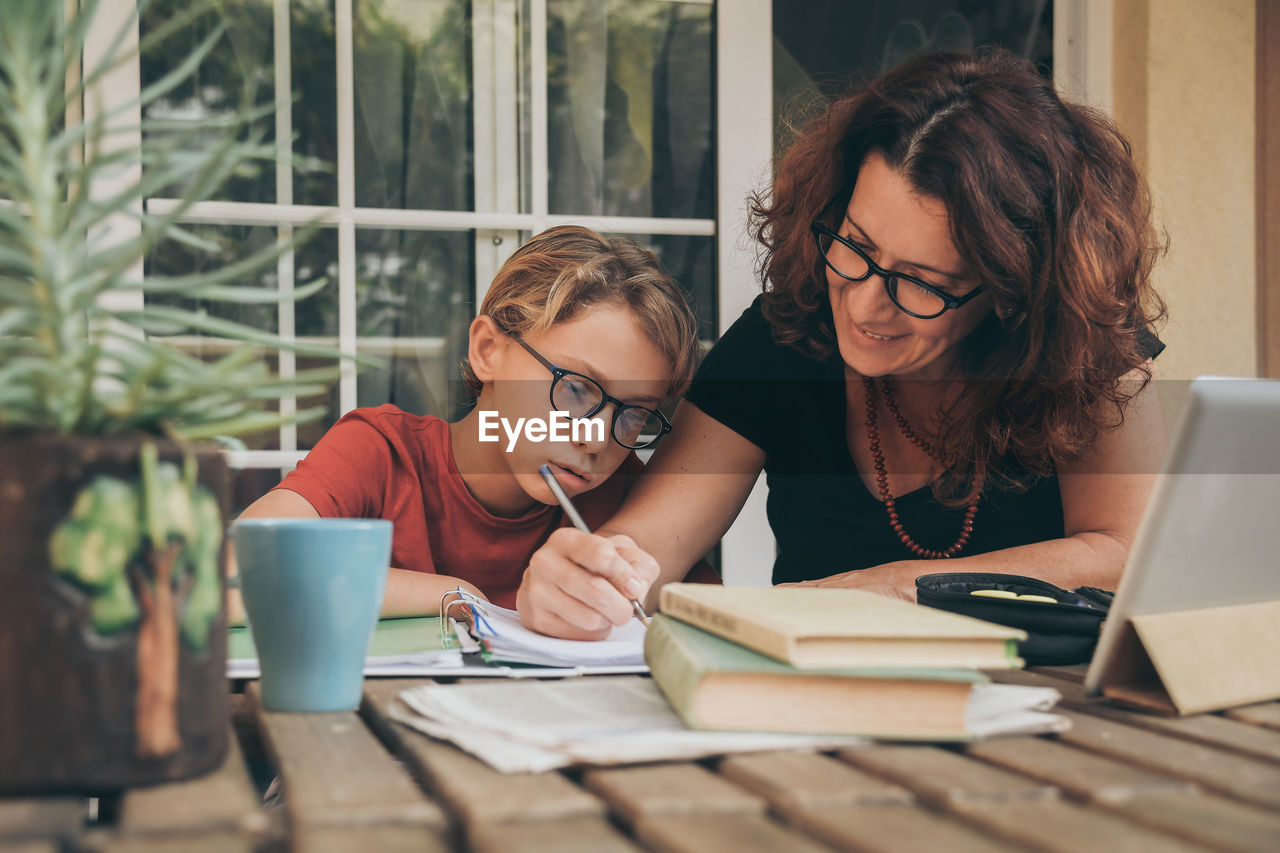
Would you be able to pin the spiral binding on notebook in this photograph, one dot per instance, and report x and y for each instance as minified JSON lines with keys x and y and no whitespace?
{"x":472,"y":603}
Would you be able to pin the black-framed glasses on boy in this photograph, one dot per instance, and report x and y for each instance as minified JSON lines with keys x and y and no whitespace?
{"x":634,"y":427}
{"x":915,"y":297}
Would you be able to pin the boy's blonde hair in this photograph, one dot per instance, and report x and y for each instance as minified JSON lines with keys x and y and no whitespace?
{"x":565,"y":270}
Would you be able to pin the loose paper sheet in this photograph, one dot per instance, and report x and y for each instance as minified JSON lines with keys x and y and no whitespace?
{"x":532,"y":726}
{"x":1013,"y":709}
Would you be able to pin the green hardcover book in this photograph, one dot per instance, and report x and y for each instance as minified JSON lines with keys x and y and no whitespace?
{"x":716,"y":684}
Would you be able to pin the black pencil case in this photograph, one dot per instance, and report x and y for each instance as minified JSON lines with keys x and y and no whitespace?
{"x":1064,"y":632}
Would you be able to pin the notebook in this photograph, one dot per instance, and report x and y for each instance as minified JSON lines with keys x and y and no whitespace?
{"x":498,"y":646}
{"x":400,"y":647}
{"x":504,"y":638}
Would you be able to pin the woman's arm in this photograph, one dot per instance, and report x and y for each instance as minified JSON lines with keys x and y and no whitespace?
{"x":408,"y":593}
{"x":1103,"y":498}
{"x":576,"y":585}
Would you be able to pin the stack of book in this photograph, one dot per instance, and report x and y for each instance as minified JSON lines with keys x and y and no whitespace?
{"x":836,"y":661}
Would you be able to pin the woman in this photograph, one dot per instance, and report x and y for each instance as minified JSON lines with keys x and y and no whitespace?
{"x":951,"y":358}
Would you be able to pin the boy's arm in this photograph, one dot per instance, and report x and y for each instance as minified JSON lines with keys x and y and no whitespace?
{"x":411,"y":593}
{"x":408,"y":593}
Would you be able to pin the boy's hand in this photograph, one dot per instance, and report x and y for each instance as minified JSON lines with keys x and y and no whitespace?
{"x":579,"y":586}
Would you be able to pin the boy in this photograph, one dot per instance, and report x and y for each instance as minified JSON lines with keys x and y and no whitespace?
{"x":573,"y":322}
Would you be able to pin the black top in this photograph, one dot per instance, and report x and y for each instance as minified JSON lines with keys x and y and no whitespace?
{"x":825,"y":520}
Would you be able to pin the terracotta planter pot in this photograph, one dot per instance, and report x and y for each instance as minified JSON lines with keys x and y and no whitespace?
{"x":112,"y":623}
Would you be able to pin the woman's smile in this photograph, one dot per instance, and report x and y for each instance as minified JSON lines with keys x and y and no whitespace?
{"x":877,"y":337}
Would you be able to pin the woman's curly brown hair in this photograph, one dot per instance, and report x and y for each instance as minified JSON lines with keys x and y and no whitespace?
{"x":1049,"y":212}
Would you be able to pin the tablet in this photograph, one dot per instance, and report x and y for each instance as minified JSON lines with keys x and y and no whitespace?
{"x":1210,"y":536}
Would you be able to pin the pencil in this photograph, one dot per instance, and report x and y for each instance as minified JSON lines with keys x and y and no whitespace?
{"x":572,"y":511}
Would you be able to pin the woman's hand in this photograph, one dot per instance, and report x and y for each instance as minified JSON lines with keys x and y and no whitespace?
{"x":892,"y":580}
{"x":579,"y":586}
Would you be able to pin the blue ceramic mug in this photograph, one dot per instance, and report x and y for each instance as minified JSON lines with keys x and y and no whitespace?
{"x":312,"y":591}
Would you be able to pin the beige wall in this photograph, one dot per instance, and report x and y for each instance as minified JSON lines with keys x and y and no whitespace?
{"x":1183,"y":89}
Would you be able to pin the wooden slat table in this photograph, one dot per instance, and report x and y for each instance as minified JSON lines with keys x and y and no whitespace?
{"x":359,"y":781}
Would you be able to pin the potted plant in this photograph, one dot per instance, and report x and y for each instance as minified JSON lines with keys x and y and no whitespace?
{"x":112,"y":622}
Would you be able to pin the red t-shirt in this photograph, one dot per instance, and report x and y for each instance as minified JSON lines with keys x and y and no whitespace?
{"x":385,"y":463}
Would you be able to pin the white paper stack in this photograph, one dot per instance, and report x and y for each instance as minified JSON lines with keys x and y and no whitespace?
{"x":531,"y":726}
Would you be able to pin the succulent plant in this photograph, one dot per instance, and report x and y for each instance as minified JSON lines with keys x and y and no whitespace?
{"x":72,"y":362}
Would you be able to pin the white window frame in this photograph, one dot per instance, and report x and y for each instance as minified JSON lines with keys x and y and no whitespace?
{"x":744,"y":154}
{"x":1083,"y":39}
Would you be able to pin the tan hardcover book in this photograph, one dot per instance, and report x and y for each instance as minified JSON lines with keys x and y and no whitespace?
{"x":715,"y":684}
{"x":810,"y":627}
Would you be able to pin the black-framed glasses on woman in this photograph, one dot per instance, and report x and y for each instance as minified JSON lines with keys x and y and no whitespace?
{"x":634,"y":427}
{"x":915,"y":297}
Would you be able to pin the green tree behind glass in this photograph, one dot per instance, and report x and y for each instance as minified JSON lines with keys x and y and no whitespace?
{"x":413,"y":149}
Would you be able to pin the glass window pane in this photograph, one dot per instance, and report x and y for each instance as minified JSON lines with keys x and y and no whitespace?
{"x":249,"y":484}
{"x":629,"y":108}
{"x":310,"y":432}
{"x":691,"y":262}
{"x":820,"y":47}
{"x":242,"y":56}
{"x":315,"y":316}
{"x":313,"y":69}
{"x":413,"y":104}
{"x":222,"y":245}
{"x":414,"y":307}
{"x":219,"y":245}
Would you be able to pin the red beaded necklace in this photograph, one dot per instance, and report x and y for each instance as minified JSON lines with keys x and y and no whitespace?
{"x":882,"y":474}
